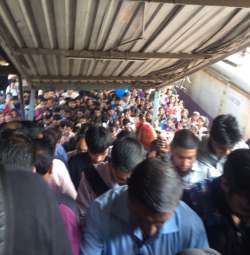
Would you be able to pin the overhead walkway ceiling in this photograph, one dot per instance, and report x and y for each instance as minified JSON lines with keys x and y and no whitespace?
{"x":113,"y":43}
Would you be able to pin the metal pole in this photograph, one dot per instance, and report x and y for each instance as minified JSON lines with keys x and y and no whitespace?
{"x":20,"y":84}
{"x":156,"y":105}
{"x":32,"y":104}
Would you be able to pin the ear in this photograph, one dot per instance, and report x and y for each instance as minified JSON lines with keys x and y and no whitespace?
{"x":33,"y":169}
{"x":111,"y":167}
{"x":50,"y":169}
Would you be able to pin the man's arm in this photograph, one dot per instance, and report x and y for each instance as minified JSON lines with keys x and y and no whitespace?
{"x":93,"y":233}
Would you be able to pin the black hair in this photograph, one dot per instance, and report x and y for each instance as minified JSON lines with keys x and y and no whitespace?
{"x":185,"y":138}
{"x":156,"y":185}
{"x":44,"y":156}
{"x":237,"y":171}
{"x":28,"y":128}
{"x":126,"y":154}
{"x":16,"y":151}
{"x":225,"y":130}
{"x":98,"y":139}
{"x":66,"y":123}
{"x":125,"y":133}
{"x":52,"y":135}
{"x":125,"y":122}
{"x":57,"y":117}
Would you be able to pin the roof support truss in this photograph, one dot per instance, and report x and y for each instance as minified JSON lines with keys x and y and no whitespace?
{"x":110,"y":55}
{"x":7,"y":70}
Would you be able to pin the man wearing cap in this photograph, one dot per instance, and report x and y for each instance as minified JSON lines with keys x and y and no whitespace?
{"x":12,"y":88}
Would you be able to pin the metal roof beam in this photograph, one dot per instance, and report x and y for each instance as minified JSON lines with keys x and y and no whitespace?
{"x":226,"y":3}
{"x":203,"y":65}
{"x":7,"y":70}
{"x":87,"y":86}
{"x":117,"y":55}
{"x":52,"y":78}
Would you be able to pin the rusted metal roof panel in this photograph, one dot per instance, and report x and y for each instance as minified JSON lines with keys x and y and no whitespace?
{"x":117,"y":26}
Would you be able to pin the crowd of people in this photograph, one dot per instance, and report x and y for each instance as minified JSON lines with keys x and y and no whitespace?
{"x":101,"y":172}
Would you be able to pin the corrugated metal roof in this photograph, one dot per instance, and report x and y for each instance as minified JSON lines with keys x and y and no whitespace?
{"x":111,"y":26}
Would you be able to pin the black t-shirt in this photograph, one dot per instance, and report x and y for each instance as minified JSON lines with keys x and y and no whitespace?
{"x":208,"y":200}
{"x":76,"y":166}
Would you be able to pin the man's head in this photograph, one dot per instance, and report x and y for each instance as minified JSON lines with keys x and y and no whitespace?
{"x":44,"y":155}
{"x":149,"y":117}
{"x":198,"y":252}
{"x":184,"y":150}
{"x":16,"y":151}
{"x":98,"y":140}
{"x":52,"y":136}
{"x":126,"y":154}
{"x":72,"y":104}
{"x":224,"y":134}
{"x":195,"y":116}
{"x":97,"y":112}
{"x":154,"y":190}
{"x":235,"y":183}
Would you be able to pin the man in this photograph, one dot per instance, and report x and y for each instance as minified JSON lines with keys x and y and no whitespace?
{"x":12,"y":88}
{"x":224,"y":205}
{"x":146,"y":217}
{"x":98,"y":140}
{"x":225,"y":136}
{"x":183,"y":152}
{"x":184,"y":147}
{"x":126,"y":153}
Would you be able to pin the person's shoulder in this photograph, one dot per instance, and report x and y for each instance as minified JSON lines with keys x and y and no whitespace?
{"x":28,"y":183}
{"x":187,"y":217}
{"x":108,"y":199}
{"x":241,"y":145}
{"x":82,"y":156}
{"x":202,"y":188}
{"x":110,"y":203}
{"x":28,"y":177}
{"x":58,"y":163}
{"x":184,"y":211}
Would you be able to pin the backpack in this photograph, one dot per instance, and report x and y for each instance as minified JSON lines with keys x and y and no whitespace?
{"x":95,"y":181}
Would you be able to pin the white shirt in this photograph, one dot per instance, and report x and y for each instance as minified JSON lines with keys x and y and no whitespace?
{"x":60,"y":178}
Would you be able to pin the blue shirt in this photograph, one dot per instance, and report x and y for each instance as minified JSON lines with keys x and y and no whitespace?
{"x":109,"y":231}
{"x":61,"y":154}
